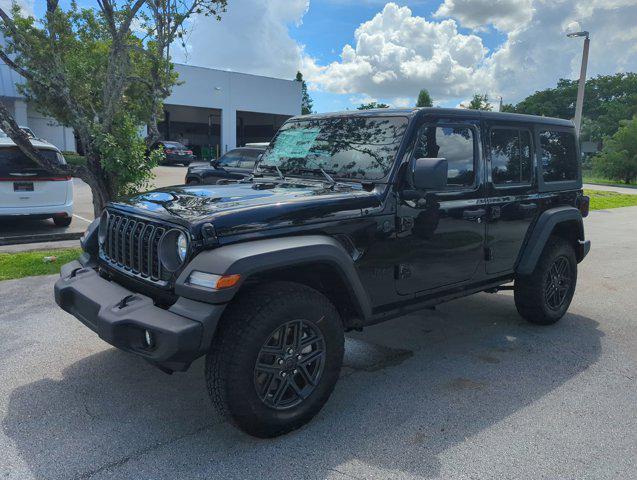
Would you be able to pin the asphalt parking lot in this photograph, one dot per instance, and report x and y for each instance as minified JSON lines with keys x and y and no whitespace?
{"x":12,"y":229}
{"x":467,"y":391}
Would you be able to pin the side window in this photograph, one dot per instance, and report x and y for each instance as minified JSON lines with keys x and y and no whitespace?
{"x":247,"y":162}
{"x":511,"y":160}
{"x":559,"y":156}
{"x":456,"y":145}
{"x":230,"y":159}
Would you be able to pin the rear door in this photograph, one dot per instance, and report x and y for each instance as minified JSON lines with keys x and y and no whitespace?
{"x":25,"y":184}
{"x":513,"y":201}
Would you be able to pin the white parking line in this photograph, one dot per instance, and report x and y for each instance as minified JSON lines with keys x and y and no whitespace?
{"x":82,"y":218}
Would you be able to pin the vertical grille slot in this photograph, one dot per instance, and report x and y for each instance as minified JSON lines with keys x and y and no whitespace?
{"x":132,"y":244}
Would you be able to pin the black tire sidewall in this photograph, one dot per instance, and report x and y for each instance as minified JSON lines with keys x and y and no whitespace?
{"x":243,"y":403}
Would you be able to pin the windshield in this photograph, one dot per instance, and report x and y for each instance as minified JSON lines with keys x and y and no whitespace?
{"x":352,"y":147}
{"x":174,"y":145}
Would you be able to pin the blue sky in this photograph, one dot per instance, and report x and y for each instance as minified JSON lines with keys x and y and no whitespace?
{"x":454,"y":48}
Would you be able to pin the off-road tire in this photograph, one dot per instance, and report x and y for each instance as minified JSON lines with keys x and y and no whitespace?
{"x":247,"y":324}
{"x":531,"y":291}
{"x":62,"y":221}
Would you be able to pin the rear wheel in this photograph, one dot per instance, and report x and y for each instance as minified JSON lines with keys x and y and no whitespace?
{"x":544,"y":296}
{"x":275,"y":359}
{"x":62,"y":221}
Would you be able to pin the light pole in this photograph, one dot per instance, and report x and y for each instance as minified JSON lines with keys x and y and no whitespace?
{"x":579,"y":104}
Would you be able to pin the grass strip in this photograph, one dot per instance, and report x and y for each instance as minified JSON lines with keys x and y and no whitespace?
{"x":28,"y":264}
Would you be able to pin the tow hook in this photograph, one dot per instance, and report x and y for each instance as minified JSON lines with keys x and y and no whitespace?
{"x":125,"y":301}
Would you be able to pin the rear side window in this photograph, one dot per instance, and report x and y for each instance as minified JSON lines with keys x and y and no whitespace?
{"x":559,"y":156}
{"x":511,"y":158}
{"x":456,"y":145}
{"x":12,"y":160}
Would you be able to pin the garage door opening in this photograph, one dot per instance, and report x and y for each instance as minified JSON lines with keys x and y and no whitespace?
{"x":197,"y":128}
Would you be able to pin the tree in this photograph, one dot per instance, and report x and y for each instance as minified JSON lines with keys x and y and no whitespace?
{"x":480,"y":101}
{"x":424,"y":99}
{"x":371,"y":106}
{"x":306,"y":101}
{"x":104,"y":72}
{"x":608,"y":99}
{"x":618,"y":159}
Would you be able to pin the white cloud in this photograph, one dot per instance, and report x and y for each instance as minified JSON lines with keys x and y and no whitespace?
{"x":398,"y":53}
{"x":505,"y":15}
{"x":25,"y":5}
{"x":251,"y":37}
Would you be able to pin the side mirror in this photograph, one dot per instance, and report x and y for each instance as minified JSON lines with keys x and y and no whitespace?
{"x":214,"y":163}
{"x":429,"y":173}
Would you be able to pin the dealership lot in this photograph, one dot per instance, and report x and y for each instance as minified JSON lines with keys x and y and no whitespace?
{"x":40,"y":230}
{"x":467,"y":391}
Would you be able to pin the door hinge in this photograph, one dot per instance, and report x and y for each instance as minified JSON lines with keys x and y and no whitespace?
{"x":488,"y":254}
{"x":402,"y":271}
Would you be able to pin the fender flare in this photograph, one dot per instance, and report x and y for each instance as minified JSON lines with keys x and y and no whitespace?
{"x":541,"y":232}
{"x":253,"y":257}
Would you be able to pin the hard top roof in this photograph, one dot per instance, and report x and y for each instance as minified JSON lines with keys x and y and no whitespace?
{"x":450,"y":112}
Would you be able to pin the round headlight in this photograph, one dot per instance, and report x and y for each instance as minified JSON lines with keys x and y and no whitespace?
{"x":173,"y":249}
{"x":103,"y":228}
{"x":182,"y":247}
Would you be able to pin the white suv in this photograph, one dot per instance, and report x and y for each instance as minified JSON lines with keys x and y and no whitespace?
{"x":26,"y":189}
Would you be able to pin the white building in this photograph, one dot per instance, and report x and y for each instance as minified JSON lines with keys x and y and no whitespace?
{"x":211,"y":111}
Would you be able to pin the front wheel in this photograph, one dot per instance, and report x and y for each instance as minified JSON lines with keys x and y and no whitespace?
{"x":275,"y":359}
{"x":544,"y":296}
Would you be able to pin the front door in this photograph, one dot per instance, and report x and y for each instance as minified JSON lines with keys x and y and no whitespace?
{"x":441,"y":236}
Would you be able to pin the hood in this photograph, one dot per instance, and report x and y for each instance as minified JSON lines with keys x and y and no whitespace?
{"x":243,"y":207}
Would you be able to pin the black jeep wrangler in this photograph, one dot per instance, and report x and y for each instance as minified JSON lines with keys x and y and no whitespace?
{"x":349,"y":219}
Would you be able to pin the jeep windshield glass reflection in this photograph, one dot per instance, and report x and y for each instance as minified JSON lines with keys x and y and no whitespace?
{"x":345,"y":147}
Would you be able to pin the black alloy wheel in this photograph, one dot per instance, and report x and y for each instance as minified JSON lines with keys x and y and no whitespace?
{"x":558,"y":283}
{"x":290,"y":364}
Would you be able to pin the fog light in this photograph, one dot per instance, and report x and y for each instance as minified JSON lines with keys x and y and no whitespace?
{"x":148,"y":339}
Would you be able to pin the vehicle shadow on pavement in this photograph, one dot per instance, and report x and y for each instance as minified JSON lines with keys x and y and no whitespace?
{"x":411,"y":389}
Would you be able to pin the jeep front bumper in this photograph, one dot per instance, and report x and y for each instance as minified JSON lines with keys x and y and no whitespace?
{"x":126,"y":319}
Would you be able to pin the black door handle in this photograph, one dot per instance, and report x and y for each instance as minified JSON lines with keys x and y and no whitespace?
{"x":474,"y":214}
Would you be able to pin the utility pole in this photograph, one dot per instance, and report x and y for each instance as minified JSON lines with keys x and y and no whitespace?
{"x":579,"y":104}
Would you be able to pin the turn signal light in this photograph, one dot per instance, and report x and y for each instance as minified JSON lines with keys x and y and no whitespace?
{"x":212,"y":281}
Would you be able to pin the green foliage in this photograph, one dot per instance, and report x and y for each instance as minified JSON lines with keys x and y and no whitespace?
{"x":608,"y":99}
{"x":75,"y":159}
{"x":371,"y":106}
{"x":123,"y":153}
{"x":28,"y":264}
{"x":306,"y":101}
{"x":424,"y":99}
{"x":618,"y":159}
{"x":480,"y":101}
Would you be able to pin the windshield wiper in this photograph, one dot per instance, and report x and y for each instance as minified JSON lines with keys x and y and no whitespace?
{"x":276,"y":168}
{"x":320,"y":170}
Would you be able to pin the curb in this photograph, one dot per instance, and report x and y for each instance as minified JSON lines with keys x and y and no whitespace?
{"x":45,"y":237}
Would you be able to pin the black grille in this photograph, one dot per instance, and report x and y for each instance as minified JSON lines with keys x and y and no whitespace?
{"x":132,"y":245}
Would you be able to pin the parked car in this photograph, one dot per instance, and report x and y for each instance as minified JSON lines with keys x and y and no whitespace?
{"x":234,"y":165}
{"x":28,"y":131}
{"x":175,"y":152}
{"x":28,"y":190}
{"x":354,"y":218}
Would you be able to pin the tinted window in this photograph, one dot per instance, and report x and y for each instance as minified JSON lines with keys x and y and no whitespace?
{"x":231,"y":159}
{"x":559,"y":157}
{"x":352,"y":147}
{"x":456,"y":145}
{"x":253,"y":154}
{"x":511,"y":160}
{"x":12,"y":160}
{"x":247,"y":163}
